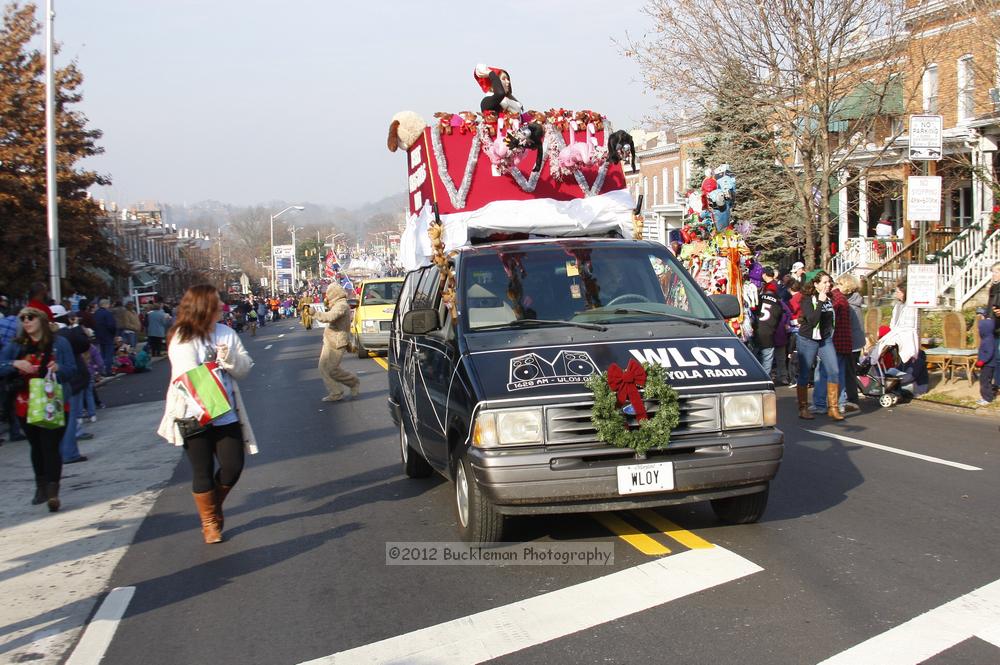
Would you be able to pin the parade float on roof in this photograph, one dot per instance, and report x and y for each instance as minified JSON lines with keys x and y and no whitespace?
{"x":505,"y":172}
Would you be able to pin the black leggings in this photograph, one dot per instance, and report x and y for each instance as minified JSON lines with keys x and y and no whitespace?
{"x":224,"y":442}
{"x":45,"y":457}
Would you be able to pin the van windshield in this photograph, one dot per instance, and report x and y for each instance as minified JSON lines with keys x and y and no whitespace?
{"x":600,"y":285}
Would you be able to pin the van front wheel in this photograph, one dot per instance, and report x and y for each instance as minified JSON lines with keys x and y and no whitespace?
{"x":478,"y":519}
{"x":362,"y":352}
{"x":743,"y":509}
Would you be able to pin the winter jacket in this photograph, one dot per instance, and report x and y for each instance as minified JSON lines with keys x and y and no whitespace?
{"x":902,"y":333}
{"x":767,"y":316}
{"x":105,"y":327}
{"x":987,"y":343}
{"x":994,"y":301}
{"x":858,"y":339}
{"x":842,"y":336}
{"x":62,"y":354}
{"x":126,"y":319}
{"x":815,"y":314}
{"x":156,"y":323}
{"x":338,"y":317}
{"x":795,"y":305}
{"x":184,"y":357}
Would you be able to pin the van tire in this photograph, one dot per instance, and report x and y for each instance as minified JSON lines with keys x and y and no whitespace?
{"x":480,"y":523}
{"x":414,"y":464}
{"x":742,"y":509}
{"x":362,"y":353}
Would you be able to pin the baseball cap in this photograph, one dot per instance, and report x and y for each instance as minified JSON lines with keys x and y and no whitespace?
{"x":983,"y":310}
{"x":797,"y":265}
{"x":57,"y":311}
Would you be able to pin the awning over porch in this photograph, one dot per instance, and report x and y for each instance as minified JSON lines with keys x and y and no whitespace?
{"x":867,"y":100}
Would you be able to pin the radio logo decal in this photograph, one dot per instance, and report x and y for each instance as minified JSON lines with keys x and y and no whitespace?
{"x":532,"y":370}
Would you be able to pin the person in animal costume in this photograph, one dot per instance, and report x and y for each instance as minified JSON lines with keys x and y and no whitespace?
{"x":336,"y":339}
{"x":496,"y":83}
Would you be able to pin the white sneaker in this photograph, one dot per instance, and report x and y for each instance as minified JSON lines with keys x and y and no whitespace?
{"x":93,"y":419}
{"x":334,"y":398}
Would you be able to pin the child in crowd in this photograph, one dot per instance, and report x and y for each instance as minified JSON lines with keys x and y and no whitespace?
{"x":985,"y":361}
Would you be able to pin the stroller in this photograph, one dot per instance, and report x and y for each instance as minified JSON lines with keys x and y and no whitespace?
{"x":880,"y":379}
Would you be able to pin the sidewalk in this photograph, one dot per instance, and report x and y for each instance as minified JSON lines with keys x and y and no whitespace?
{"x":55,"y":567}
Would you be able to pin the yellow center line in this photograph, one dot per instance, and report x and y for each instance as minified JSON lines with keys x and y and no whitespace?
{"x":682,"y":536}
{"x":630,"y":534}
{"x":382,"y":362}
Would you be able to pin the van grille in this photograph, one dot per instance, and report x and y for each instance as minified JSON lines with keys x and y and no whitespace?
{"x":570,"y":423}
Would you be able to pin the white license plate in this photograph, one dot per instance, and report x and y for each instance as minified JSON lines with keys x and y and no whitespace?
{"x":652,"y":477}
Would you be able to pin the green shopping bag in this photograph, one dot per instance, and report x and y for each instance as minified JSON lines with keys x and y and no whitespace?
{"x":203,"y":389}
{"x":45,"y":403}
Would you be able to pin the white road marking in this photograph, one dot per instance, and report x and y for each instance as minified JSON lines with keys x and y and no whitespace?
{"x":281,"y":335}
{"x":976,"y":614}
{"x":898,"y":451}
{"x":99,"y":633}
{"x":268,"y":347}
{"x":503,"y":630}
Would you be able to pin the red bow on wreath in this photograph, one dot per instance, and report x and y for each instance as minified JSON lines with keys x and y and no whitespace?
{"x":626,"y":385}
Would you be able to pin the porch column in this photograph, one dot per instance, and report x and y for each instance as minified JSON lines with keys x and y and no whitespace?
{"x":863,"y":206}
{"x":977,"y":183}
{"x":842,"y":202}
{"x":989,"y":147}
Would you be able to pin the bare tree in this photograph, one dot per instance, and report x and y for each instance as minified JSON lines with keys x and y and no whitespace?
{"x":834,"y":76}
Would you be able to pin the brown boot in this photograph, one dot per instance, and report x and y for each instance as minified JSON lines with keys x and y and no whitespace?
{"x":832,"y":399}
{"x":221,"y":492}
{"x":52,"y":492}
{"x":802,"y":392}
{"x":205,"y":501}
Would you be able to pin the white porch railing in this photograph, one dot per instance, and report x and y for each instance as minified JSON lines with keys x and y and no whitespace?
{"x":958,"y":250}
{"x":863,"y":252}
{"x":975,"y":274}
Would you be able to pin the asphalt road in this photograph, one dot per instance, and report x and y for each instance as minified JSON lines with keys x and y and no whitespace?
{"x":856,"y":541}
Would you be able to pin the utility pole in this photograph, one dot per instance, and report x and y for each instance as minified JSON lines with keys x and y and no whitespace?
{"x":55,"y":268}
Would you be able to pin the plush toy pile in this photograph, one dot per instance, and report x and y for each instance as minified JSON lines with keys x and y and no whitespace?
{"x":714,"y":246}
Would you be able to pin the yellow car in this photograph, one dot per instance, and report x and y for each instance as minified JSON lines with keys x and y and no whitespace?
{"x":373,"y":316}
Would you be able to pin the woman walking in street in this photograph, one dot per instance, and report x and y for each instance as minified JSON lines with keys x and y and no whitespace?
{"x":31,"y":355}
{"x":815,"y":341}
{"x":197,"y":337}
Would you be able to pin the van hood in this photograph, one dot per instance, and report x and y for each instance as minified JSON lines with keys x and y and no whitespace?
{"x":693,"y":365}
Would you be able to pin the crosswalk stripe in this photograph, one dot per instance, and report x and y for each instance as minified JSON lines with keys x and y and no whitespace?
{"x":510,"y":628}
{"x":631,"y":535}
{"x":682,"y":536}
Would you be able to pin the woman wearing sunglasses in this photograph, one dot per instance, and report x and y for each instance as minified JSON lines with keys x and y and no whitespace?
{"x":31,"y":354}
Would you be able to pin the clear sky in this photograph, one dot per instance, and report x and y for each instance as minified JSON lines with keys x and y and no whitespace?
{"x":248,"y":101}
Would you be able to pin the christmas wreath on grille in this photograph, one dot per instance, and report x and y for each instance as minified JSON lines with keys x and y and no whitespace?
{"x":613,"y":388}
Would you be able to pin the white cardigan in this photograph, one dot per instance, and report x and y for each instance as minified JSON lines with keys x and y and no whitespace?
{"x":183,"y":357}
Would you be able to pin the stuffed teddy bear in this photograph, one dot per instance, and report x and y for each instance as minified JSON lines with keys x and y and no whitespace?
{"x":405,"y":128}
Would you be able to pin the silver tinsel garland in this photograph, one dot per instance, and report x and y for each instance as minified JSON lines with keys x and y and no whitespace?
{"x":459,"y":195}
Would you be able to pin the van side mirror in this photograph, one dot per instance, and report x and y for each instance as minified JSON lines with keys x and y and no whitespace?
{"x":729,"y":305}
{"x":420,"y":321}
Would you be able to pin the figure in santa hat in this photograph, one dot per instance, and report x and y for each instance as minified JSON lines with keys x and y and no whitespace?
{"x":496,"y":82}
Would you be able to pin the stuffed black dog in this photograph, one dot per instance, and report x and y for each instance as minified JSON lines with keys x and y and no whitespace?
{"x":621,"y":148}
{"x":530,"y":137}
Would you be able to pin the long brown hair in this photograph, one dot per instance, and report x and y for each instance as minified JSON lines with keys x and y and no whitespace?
{"x":196,"y":315}
{"x":44,"y":342}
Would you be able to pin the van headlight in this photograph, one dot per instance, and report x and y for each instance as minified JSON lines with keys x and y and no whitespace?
{"x":507,"y":428}
{"x":749,"y":410}
{"x":369,"y":325}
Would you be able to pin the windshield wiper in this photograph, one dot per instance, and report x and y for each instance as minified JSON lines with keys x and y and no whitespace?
{"x":673,"y":317}
{"x":526,"y":322}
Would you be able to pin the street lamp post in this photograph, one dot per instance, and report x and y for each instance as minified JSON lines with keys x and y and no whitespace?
{"x":274,"y":267}
{"x":295,"y":258}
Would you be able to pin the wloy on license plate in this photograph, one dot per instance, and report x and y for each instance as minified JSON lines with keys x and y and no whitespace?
{"x":652,"y":477}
